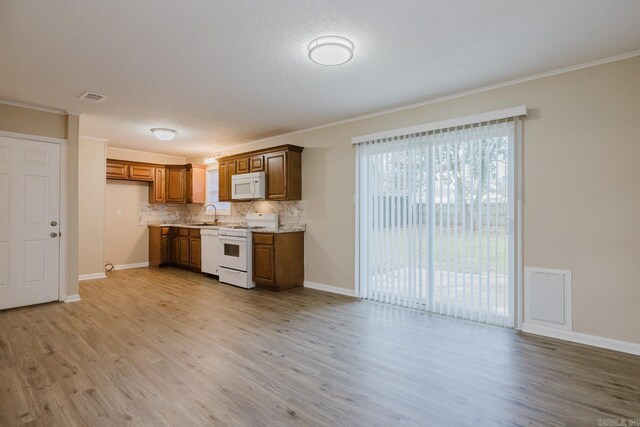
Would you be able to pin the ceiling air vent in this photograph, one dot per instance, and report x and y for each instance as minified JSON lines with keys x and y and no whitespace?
{"x":92,"y":96}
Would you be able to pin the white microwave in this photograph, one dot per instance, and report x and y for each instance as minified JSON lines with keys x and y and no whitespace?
{"x":248,"y":186}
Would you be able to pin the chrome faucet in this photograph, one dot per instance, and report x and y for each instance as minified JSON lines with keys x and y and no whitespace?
{"x":215,"y":212}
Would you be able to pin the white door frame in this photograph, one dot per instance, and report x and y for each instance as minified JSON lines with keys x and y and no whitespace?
{"x":63,"y":275}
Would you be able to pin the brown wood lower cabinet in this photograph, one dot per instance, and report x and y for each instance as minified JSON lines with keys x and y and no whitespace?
{"x":278,"y":260}
{"x":182,"y":250}
{"x":175,"y":246}
{"x":195,"y":254}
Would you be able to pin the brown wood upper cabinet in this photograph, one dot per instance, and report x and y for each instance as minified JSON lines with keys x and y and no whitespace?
{"x":226,"y":169}
{"x":256,"y":163}
{"x":242,"y":165}
{"x":175,"y":184}
{"x":132,"y":171}
{"x":117,"y":170}
{"x":169,"y":183}
{"x":157,"y":187}
{"x":196,"y":182}
{"x":282,"y":166}
{"x":141,"y":172}
{"x":179,"y":184}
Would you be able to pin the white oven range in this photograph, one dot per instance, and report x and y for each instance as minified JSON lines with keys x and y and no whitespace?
{"x":236,"y":244}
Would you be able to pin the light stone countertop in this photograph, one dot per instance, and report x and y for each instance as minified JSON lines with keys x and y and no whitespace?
{"x":281,"y":229}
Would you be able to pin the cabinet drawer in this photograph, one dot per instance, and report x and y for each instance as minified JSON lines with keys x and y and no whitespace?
{"x":183,"y":231}
{"x":233,"y":277}
{"x":194,"y":232}
{"x":141,"y":173}
{"x":263,"y":238}
{"x":165,"y":231}
{"x":117,"y":170}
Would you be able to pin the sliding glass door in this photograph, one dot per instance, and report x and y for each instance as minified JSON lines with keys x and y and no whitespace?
{"x":435,"y":221}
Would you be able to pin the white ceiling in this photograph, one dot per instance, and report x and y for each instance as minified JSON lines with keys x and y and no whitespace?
{"x":225,"y":72}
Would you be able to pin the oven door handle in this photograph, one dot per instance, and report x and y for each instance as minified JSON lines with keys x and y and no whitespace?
{"x":233,"y":239}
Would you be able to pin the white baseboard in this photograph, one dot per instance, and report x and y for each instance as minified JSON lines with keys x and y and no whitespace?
{"x":92,"y":276}
{"x":128,"y":266}
{"x":72,"y":298}
{"x":328,"y":288}
{"x":580,"y":338}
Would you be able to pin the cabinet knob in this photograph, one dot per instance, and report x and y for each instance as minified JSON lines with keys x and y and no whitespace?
{"x":53,"y":234}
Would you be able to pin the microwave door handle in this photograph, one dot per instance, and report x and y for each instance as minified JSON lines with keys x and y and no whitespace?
{"x":253,"y":190}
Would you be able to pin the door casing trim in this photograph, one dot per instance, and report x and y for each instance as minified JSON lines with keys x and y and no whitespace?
{"x":63,"y":271}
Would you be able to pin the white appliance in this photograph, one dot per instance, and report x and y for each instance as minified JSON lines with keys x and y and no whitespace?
{"x":248,"y":186}
{"x":236,"y":264}
{"x":211,"y":251}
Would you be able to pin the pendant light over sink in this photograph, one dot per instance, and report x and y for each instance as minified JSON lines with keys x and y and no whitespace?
{"x":164,"y":134}
{"x":330,"y":50}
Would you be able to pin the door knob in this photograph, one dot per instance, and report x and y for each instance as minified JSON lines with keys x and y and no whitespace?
{"x":54,"y":223}
{"x":53,"y":234}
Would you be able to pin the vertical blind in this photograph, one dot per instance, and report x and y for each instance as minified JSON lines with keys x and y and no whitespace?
{"x":434,"y":219}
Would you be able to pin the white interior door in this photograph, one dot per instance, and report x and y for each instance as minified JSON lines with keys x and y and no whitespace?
{"x":29,"y":222}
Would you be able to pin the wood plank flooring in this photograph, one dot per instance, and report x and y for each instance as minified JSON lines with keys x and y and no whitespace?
{"x":168,"y":347}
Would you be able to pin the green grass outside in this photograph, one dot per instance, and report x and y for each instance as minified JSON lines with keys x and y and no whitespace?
{"x":471,"y":255}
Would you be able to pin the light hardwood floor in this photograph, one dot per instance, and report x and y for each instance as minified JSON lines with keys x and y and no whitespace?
{"x":168,"y":347}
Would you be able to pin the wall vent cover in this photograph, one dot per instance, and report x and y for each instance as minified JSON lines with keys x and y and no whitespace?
{"x":92,"y":96}
{"x":548,"y":297}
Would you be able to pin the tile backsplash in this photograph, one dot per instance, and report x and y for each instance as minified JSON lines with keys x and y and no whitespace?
{"x":291,"y":213}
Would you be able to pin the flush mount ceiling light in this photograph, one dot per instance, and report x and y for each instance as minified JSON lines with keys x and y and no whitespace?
{"x":212,"y":159}
{"x":330,"y":50}
{"x":164,"y":134}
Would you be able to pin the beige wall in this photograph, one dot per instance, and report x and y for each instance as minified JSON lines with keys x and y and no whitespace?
{"x":126,"y":242}
{"x":143,"y":156}
{"x":581,"y":180}
{"x":32,"y":122}
{"x":54,"y":125}
{"x":91,"y":191}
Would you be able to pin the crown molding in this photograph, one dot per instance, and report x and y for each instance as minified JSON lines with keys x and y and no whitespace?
{"x":93,"y":138}
{"x":34,"y":107}
{"x":147,"y":152}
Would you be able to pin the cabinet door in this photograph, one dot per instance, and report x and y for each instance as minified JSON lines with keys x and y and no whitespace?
{"x":256,"y":163}
{"x":264,"y":264}
{"x":182,"y":251}
{"x":157,"y":188}
{"x":141,"y":173}
{"x":242,"y":165}
{"x":175,"y":181}
{"x":225,"y":171}
{"x":195,"y":254}
{"x":196,"y":177}
{"x":276,"y":172}
{"x":223,"y":185}
{"x":117,"y":170}
{"x":166,"y":250}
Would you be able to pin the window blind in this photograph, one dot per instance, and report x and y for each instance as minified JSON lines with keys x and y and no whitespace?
{"x":435,"y":213}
